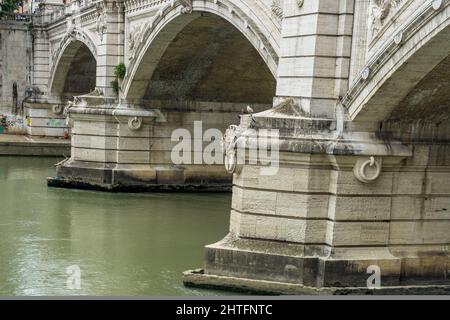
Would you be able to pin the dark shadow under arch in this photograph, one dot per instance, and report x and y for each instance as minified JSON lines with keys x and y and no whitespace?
{"x":201,"y":57}
{"x":210,"y":60}
{"x":424,"y":114}
{"x":76,"y":71}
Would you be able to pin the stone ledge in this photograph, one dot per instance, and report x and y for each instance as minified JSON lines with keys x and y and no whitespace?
{"x":137,"y":177}
{"x":21,"y":145}
{"x":198,"y":279}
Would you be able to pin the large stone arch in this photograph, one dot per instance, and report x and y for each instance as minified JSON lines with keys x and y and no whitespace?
{"x":153,"y":39}
{"x":413,"y":51}
{"x":75,"y":45}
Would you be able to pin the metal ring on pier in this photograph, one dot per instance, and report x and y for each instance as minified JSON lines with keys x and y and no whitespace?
{"x":57,"y":109}
{"x":135,"y":123}
{"x":360,"y":170}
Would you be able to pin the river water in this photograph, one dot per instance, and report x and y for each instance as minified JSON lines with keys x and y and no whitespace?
{"x":122,"y":244}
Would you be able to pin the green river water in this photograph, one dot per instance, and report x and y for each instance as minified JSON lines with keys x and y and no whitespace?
{"x":123,"y":244}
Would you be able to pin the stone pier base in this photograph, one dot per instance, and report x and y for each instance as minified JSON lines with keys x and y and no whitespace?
{"x":131,"y":148}
{"x":198,"y":279}
{"x":344,"y":211}
{"x":138,"y":178}
{"x":269,"y":267}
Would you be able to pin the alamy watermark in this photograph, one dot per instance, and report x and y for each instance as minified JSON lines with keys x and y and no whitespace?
{"x":73,"y":281}
{"x":374,"y":281}
{"x":237,"y":147}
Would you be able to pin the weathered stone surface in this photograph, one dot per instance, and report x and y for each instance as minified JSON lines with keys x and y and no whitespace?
{"x":15,"y":52}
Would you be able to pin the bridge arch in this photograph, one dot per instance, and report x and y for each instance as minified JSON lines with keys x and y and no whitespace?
{"x":154,"y":38}
{"x":74,"y":68}
{"x":398,"y":74}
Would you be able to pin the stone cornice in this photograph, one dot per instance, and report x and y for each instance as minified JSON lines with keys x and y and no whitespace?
{"x":319,"y":136}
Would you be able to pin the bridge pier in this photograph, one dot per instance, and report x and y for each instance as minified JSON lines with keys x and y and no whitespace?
{"x":353,"y":201}
{"x":342,"y":206}
{"x":123,"y":148}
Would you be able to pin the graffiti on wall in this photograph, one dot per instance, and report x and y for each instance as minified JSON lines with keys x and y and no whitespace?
{"x":56,"y":123}
{"x":11,"y":123}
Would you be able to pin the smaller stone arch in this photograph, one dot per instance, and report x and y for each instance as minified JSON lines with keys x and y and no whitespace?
{"x":64,"y":55}
{"x":153,"y":37}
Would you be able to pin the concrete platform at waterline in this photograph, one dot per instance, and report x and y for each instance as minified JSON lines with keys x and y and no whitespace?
{"x":23,"y":145}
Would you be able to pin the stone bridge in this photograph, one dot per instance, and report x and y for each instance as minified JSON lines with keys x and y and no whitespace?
{"x":359,"y":92}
